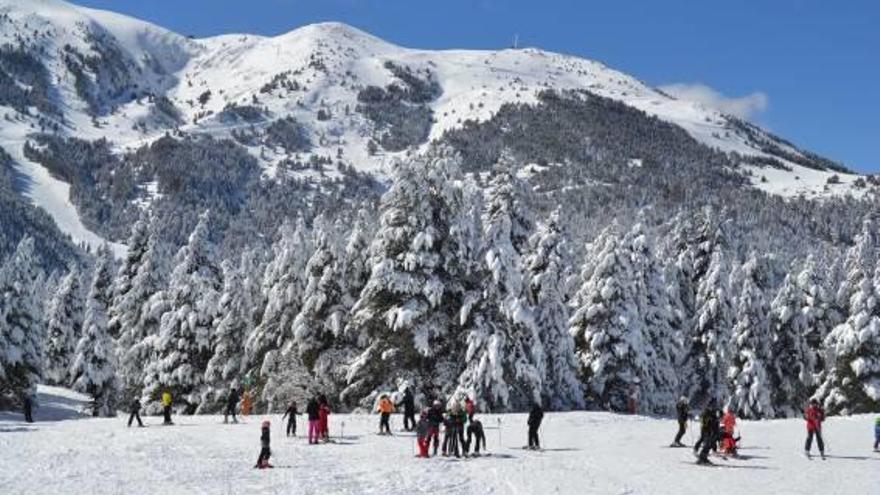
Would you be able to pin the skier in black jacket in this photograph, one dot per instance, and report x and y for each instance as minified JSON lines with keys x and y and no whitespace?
{"x":135,"y":413}
{"x":409,"y":410}
{"x":265,"y":451}
{"x":28,"y":406}
{"x":231,"y":402}
{"x":435,"y":419}
{"x":291,"y":413}
{"x":313,"y":410}
{"x":475,"y":433}
{"x":683,"y":409}
{"x":709,"y":432}
{"x":535,"y":417}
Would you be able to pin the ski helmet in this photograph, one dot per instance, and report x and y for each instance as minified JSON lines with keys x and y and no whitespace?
{"x":266,"y":424}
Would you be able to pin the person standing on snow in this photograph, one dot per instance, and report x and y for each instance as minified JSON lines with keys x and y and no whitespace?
{"x":135,"y":413}
{"x":476,"y":434}
{"x":536,"y":415}
{"x":409,"y":410}
{"x":385,"y":408}
{"x":709,"y":425}
{"x":423,"y":434}
{"x":291,"y":413}
{"x":877,"y":435}
{"x":683,"y":411}
{"x":265,"y":451}
{"x":231,"y":402}
{"x":324,"y":417}
{"x":167,"y":401}
{"x":814,"y":415}
{"x":435,"y":419}
{"x":27,"y":403}
{"x":728,"y":428}
{"x":313,"y":410}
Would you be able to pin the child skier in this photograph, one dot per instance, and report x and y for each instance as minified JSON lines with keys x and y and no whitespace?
{"x":435,"y":419}
{"x":535,"y":417}
{"x":423,"y":434}
{"x":708,"y":432}
{"x":265,"y":451}
{"x":385,"y":408}
{"x":313,"y":410}
{"x":877,"y":435}
{"x":166,"y":407}
{"x":231,"y":402}
{"x":814,"y":415}
{"x":476,"y":434}
{"x":291,"y":413}
{"x":135,"y":413}
{"x":683,"y":410}
{"x":324,"y":417}
{"x":728,"y":426}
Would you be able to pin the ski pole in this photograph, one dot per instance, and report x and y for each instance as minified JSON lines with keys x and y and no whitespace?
{"x":499,"y":432}
{"x":342,"y":431}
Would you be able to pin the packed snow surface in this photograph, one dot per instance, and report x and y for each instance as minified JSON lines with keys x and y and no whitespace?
{"x":585,"y":452}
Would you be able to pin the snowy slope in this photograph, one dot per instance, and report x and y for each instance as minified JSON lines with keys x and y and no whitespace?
{"x":330,"y":63}
{"x":585,"y":453}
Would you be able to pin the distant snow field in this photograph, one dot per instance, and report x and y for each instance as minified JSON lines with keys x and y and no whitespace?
{"x":586,"y":452}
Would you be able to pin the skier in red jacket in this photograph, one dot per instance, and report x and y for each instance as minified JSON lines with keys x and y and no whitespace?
{"x":324,"y":414}
{"x":814,"y":415}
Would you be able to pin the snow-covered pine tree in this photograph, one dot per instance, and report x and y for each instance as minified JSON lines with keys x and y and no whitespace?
{"x":183,"y":346}
{"x":356,"y":263}
{"x":792,"y":317}
{"x":859,"y":261}
{"x":237,"y":314}
{"x":64,"y":328}
{"x":707,"y":302}
{"x":546,"y":267}
{"x":747,"y":374}
{"x":282,"y":288}
{"x":819,"y":315}
{"x":607,"y":326}
{"x":137,"y":312}
{"x":94,"y":370}
{"x":505,"y":359}
{"x":21,"y":332}
{"x":852,"y":381}
{"x":660,"y":385}
{"x":321,"y":318}
{"x":406,"y":318}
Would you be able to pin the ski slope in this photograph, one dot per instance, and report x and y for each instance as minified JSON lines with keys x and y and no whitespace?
{"x":586,"y":452}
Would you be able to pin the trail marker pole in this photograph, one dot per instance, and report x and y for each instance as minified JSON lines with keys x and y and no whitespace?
{"x":499,"y":432}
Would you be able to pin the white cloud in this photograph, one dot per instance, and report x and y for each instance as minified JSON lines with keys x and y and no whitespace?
{"x":746,"y":107}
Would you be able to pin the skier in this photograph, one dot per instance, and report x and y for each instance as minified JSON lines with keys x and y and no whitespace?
{"x":135,"y":413}
{"x":451,"y":434}
{"x":435,"y":419}
{"x":291,"y":413}
{"x":728,"y":441}
{"x":423,"y":434}
{"x":708,"y":432}
{"x":27,"y":402}
{"x":231,"y":402}
{"x":313,"y":410}
{"x":814,"y":415}
{"x":470,"y":408}
{"x":476,"y":434}
{"x":265,"y":451}
{"x":535,"y":417}
{"x":166,"y":407}
{"x":877,"y":435}
{"x":385,"y":408}
{"x":409,"y":410}
{"x":324,"y":417}
{"x":683,"y":409}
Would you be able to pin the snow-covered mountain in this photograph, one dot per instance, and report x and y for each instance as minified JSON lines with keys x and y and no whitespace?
{"x":324,"y":91}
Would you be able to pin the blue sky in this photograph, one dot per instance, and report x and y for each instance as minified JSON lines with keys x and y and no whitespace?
{"x":808,"y":70}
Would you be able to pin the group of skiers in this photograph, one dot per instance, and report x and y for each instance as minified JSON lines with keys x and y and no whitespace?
{"x":718,"y":430}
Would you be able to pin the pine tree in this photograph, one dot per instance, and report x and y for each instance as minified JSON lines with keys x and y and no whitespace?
{"x":792,"y":318}
{"x":237,"y":314}
{"x":283,"y":287}
{"x":136,"y":313}
{"x":64,"y":328}
{"x":818,"y":316}
{"x":505,"y":358}
{"x":546,"y":267}
{"x":21,"y":335}
{"x":406,"y":318}
{"x":747,"y":374}
{"x":321,"y":319}
{"x":183,"y":346}
{"x":607,"y":326}
{"x":659,"y":321}
{"x":93,"y":370}
{"x":138,"y":248}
